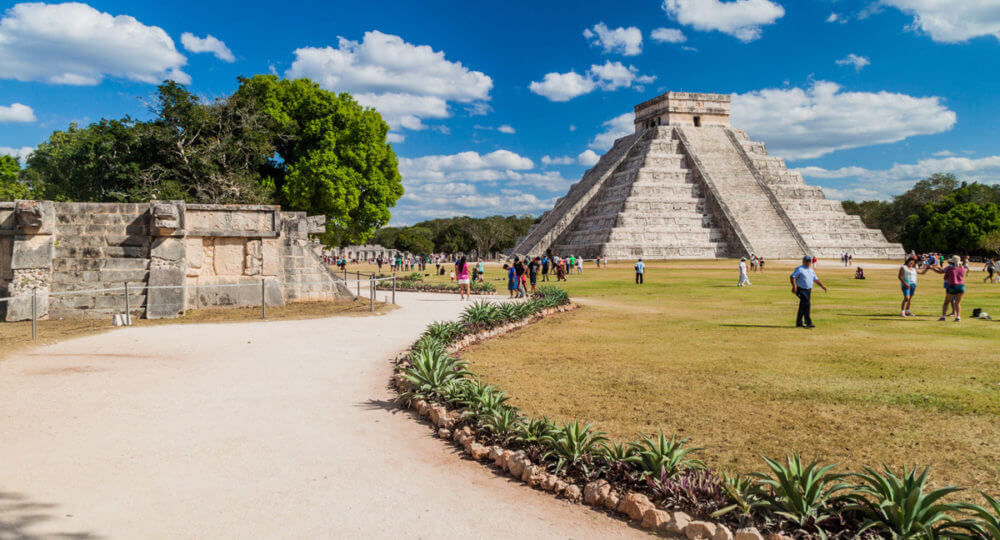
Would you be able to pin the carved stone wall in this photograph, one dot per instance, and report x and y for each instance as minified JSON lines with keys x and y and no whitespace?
{"x":189,"y":255}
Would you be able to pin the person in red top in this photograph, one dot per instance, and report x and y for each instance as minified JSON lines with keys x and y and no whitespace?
{"x":954,"y":287}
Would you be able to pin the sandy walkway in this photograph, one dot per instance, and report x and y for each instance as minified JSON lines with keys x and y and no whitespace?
{"x":269,"y":430}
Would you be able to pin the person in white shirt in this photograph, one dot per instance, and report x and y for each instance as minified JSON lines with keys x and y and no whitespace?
{"x":908,"y":282}
{"x":744,"y":280}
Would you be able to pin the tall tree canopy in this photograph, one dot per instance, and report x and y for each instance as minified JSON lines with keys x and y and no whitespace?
{"x":939,"y":214}
{"x":457,"y":235}
{"x":10,"y":187}
{"x":274,"y":140}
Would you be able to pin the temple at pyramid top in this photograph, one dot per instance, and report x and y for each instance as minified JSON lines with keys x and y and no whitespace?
{"x":683,"y":109}
{"x":686,"y":184}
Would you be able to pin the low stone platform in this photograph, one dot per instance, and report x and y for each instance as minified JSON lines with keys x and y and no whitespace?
{"x":173,"y":256}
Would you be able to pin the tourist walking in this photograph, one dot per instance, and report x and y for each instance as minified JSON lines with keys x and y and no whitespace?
{"x":533,"y":268}
{"x":579,"y":265}
{"x":560,"y":269}
{"x":462,"y":274}
{"x":802,"y":280}
{"x":954,"y":287}
{"x":744,"y":279}
{"x":511,"y":280}
{"x":760,"y":263}
{"x":640,"y":270}
{"x":545,"y":268}
{"x":991,"y":268}
{"x":908,"y":282}
{"x":521,"y":271}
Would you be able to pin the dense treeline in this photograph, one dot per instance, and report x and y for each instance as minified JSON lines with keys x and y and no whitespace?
{"x":457,"y":235}
{"x":273,"y":140}
{"x":939,"y":214}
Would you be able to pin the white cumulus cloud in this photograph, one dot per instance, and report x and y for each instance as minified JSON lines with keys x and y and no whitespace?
{"x":951,"y":21}
{"x":858,"y":62}
{"x":623,"y":41}
{"x":741,"y":19}
{"x":465,"y":166}
{"x":207,"y":44}
{"x":588,"y":158}
{"x":801,"y":123}
{"x":558,"y":160}
{"x":884,"y":183}
{"x":403,"y":81}
{"x":614,"y":129}
{"x":608,"y":76}
{"x":75,"y":44}
{"x":668,"y":35}
{"x":16,"y":112}
{"x":506,"y":129}
{"x":21,"y":153}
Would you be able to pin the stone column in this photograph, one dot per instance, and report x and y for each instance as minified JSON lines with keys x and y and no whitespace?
{"x":167,"y":260}
{"x":31,"y":258}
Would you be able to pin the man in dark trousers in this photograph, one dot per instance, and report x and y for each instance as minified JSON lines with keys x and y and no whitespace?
{"x":802,"y":280}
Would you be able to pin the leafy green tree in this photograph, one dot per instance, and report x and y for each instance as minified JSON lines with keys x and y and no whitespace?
{"x":332,"y":155}
{"x":10,"y":186}
{"x":990,"y":242}
{"x":958,"y":229}
{"x":415,"y":240}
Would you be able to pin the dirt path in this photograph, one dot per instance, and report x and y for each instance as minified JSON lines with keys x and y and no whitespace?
{"x":273,"y":429}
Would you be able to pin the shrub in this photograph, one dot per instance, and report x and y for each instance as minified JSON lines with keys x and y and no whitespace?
{"x":503,"y":423}
{"x":899,"y":506}
{"x":482,"y":400}
{"x":552,"y":295}
{"x":484,"y":286}
{"x":744,"y":496}
{"x":507,"y":312}
{"x":658,"y":456}
{"x":429,"y":342}
{"x":697,"y":491}
{"x":414,"y":276}
{"x":804,"y":495}
{"x":572,"y":445}
{"x":429,"y":372}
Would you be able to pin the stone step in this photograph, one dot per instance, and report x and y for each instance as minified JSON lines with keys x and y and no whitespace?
{"x":117,"y":277}
{"x":63,"y":251}
{"x":69,"y":264}
{"x":101,"y":301}
{"x":71,"y":230}
{"x":103,"y":240}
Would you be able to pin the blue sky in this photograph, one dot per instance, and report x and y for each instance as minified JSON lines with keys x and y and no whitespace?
{"x":498,"y":108}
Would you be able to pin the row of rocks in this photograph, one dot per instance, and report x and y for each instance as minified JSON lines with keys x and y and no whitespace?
{"x":472,"y":339}
{"x":442,"y":291}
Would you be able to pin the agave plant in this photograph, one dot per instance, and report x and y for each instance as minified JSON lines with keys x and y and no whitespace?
{"x":503,"y":423}
{"x":533,"y":431}
{"x":445,"y":331}
{"x":482,"y":400}
{"x":697,"y":491}
{"x":484,"y":286}
{"x":658,"y":456}
{"x":805,"y":495}
{"x":572,"y":445}
{"x":987,"y":520}
{"x":428,"y":342}
{"x":507,"y":312}
{"x":744,"y":494}
{"x":898,"y":505}
{"x":481,"y":315}
{"x":552,"y":295}
{"x":430,"y":372}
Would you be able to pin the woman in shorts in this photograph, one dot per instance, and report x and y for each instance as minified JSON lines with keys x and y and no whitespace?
{"x":908,"y":282}
{"x":954,"y":287}
{"x":462,"y":274}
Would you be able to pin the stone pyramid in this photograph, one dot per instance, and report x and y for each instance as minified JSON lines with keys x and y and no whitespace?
{"x":687,"y":185}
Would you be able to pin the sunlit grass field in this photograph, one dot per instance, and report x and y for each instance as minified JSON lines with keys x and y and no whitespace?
{"x":689,"y":352}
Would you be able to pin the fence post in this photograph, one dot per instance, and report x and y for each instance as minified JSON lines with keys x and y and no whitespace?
{"x":358,"y":278}
{"x":128,"y":312}
{"x":371,"y":290}
{"x":34,"y":314}
{"x":393,"y":290}
{"x":263,"y":300}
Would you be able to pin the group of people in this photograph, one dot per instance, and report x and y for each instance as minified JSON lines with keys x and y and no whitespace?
{"x":521,"y":273}
{"x":954,"y":283}
{"x":402,"y":264}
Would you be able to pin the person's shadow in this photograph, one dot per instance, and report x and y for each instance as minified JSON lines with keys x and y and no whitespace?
{"x":18,"y":515}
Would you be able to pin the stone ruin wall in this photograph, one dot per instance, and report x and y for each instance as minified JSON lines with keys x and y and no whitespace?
{"x":182,"y":252}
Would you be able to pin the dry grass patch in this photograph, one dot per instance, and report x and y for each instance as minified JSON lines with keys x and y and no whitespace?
{"x":690,"y":353}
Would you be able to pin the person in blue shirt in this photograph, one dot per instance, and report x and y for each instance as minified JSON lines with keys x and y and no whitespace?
{"x":802,"y":280}
{"x":511,"y":279}
{"x":640,"y":269}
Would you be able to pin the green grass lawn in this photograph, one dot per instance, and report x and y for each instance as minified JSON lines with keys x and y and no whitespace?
{"x":690,"y":353}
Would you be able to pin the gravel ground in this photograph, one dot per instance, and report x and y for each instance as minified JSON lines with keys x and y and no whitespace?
{"x":280,"y":429}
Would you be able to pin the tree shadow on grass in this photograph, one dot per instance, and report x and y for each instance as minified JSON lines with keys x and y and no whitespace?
{"x":18,"y":515}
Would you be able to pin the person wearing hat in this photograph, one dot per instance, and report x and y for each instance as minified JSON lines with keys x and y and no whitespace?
{"x":744,"y":279}
{"x":802,"y":280}
{"x":954,"y":287}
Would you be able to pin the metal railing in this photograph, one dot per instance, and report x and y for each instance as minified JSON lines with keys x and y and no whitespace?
{"x":130,"y":290}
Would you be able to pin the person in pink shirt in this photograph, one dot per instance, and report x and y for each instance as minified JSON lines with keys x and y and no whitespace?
{"x":462,"y":274}
{"x":954,"y":287}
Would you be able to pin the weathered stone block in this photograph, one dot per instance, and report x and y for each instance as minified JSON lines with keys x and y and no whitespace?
{"x":170,"y":249}
{"x":32,"y":252}
{"x":228,"y":258}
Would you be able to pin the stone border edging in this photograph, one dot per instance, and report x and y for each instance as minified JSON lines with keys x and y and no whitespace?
{"x":441,"y":291}
{"x":635,"y":506}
